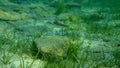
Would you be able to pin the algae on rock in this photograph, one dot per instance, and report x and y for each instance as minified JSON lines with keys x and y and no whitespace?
{"x":4,"y":15}
{"x":52,"y":45}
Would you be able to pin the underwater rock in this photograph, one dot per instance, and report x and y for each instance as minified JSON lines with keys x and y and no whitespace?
{"x":15,"y":61}
{"x":72,"y":4}
{"x":52,"y":45}
{"x":4,"y":15}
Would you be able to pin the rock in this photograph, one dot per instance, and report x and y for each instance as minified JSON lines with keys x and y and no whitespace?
{"x":72,"y":4}
{"x":16,"y":61}
{"x":4,"y":15}
{"x":53,"y":45}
